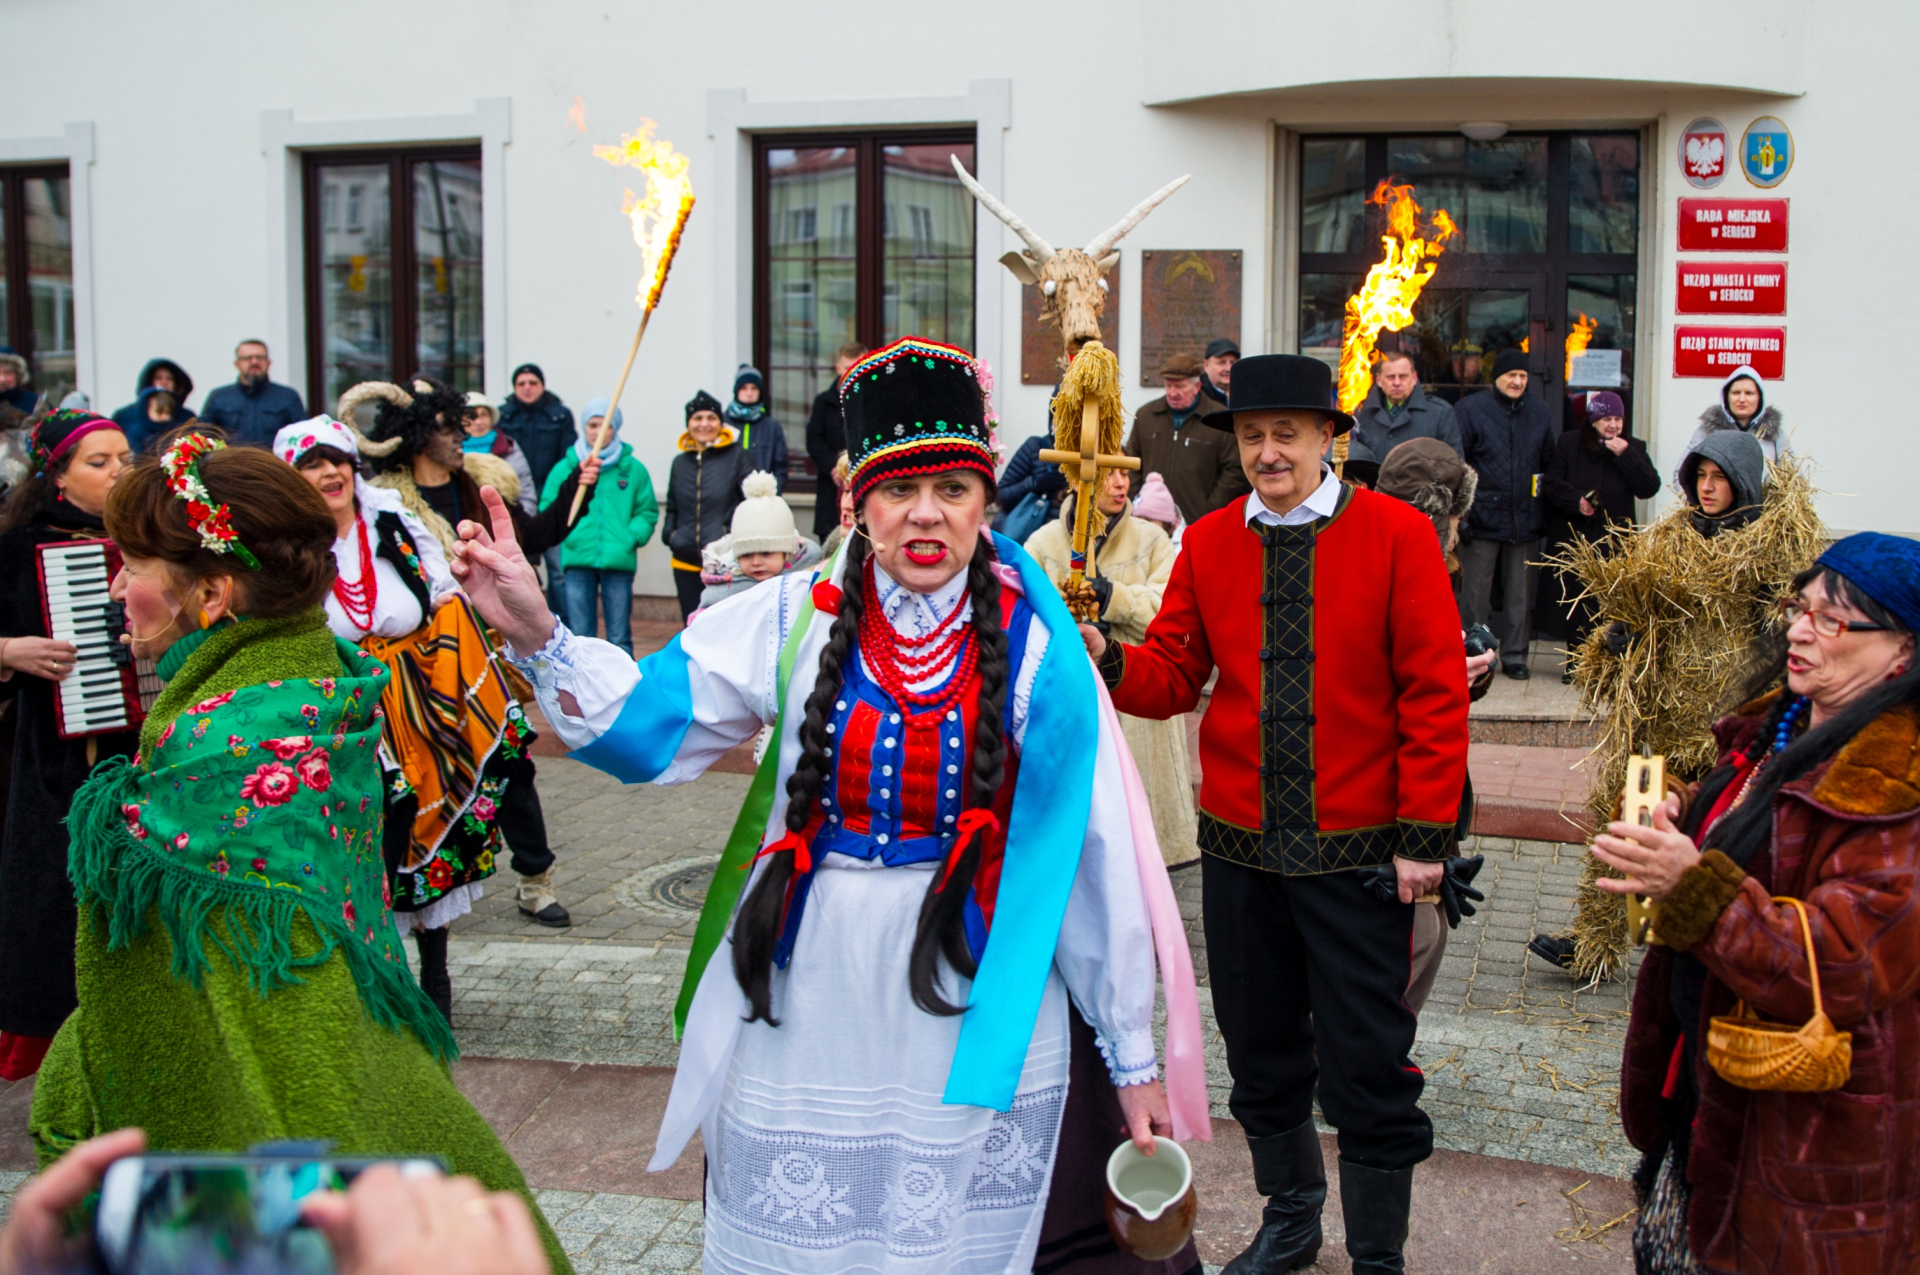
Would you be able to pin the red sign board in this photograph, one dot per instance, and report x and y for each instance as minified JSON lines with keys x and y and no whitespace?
{"x":1707,"y":350}
{"x":1732,"y":287}
{"x":1733,"y":225}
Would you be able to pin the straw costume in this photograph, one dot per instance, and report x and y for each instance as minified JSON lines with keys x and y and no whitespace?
{"x":239,"y":979}
{"x":1679,"y":605}
{"x":882,"y":792}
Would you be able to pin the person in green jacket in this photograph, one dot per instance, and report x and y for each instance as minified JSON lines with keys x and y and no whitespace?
{"x":240,"y":977}
{"x":596,"y":560}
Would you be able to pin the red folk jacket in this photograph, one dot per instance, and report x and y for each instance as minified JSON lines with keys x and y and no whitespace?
{"x":1337,"y":733}
{"x":1793,"y":1183}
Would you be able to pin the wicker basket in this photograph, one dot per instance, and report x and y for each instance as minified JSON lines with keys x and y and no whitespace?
{"x":1754,"y":1054}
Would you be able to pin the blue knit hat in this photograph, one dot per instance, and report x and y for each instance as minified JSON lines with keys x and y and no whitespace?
{"x":1885,"y":568}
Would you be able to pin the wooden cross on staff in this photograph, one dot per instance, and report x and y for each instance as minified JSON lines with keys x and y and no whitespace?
{"x":1091,"y":461}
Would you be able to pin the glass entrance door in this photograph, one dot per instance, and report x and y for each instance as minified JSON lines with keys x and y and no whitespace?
{"x":1545,"y":259}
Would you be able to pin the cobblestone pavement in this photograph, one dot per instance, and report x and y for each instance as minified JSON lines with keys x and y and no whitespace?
{"x":1520,"y":1061}
{"x":608,"y":1234}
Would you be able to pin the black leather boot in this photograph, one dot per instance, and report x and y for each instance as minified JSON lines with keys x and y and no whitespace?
{"x":1375,"y":1203}
{"x":434,"y":979}
{"x":1289,"y":1171}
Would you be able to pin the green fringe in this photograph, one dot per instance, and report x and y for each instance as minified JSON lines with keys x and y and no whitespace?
{"x":123,"y":880}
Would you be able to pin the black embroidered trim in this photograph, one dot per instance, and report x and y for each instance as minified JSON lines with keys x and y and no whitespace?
{"x":1113,"y":665}
{"x":1427,"y":842}
{"x":1298,"y":855}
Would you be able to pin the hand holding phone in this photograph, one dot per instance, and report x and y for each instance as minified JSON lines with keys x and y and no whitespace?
{"x":36,"y":1237}
{"x":391,"y":1223}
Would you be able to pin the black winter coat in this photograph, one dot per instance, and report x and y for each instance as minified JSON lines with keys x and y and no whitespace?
{"x":826,"y":439}
{"x":702,"y":489}
{"x":37,"y":914}
{"x":1582,"y":466}
{"x":1508,"y":442}
{"x":544,"y":429}
{"x":765,"y":443}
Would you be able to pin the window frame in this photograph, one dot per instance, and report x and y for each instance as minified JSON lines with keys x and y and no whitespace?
{"x":405,"y":319}
{"x":14,"y":265}
{"x":869,"y":220}
{"x":1547,"y":325}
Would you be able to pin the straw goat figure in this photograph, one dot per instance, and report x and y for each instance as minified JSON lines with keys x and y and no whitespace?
{"x":1071,"y":279}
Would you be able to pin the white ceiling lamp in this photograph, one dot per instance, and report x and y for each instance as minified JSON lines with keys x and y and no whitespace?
{"x":1484,"y":130}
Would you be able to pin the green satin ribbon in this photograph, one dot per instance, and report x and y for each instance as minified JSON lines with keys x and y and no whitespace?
{"x":730,"y":877}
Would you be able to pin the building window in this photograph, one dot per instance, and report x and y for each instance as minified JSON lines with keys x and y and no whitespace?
{"x":36,"y":274}
{"x":383,"y":306}
{"x":1547,"y":255}
{"x":897,"y":259}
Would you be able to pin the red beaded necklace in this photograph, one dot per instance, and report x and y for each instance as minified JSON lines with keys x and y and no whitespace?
{"x":358,"y":600}
{"x":896,"y":660}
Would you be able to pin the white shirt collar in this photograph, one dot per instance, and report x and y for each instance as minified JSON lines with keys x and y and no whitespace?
{"x":917,"y":614}
{"x":1321,"y":504}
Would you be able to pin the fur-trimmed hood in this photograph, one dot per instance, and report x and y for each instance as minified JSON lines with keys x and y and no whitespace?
{"x":1429,"y":475}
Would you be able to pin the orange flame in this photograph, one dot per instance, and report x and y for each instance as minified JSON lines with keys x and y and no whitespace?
{"x":577,"y":113}
{"x":1385,"y":300}
{"x":660,"y":215}
{"x":1577,"y":341}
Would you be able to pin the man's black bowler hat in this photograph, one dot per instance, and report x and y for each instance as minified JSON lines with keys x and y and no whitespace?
{"x":1280,"y":383}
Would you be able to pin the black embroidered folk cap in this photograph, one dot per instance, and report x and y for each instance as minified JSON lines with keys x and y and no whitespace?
{"x":914,"y":407}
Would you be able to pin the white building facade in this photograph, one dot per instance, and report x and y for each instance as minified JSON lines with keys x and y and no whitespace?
{"x":382,"y":189}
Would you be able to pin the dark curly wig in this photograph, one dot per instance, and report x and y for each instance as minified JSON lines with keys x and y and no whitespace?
{"x":435,"y":406}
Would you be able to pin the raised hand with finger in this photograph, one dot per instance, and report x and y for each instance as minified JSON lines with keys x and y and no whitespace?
{"x":500,"y":580}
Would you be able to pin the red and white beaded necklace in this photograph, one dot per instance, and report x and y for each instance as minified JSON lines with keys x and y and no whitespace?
{"x":359,"y":599}
{"x":896,"y":660}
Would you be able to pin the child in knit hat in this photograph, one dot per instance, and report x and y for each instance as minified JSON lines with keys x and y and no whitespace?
{"x":1155,"y":503}
{"x":762,"y":543}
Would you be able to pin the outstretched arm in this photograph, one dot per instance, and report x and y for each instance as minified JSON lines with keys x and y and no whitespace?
{"x":500,"y":580}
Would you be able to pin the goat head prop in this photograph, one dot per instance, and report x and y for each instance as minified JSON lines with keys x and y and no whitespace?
{"x":1071,"y":279}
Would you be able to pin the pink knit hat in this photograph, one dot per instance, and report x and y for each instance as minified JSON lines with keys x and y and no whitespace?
{"x":1155,"y":502}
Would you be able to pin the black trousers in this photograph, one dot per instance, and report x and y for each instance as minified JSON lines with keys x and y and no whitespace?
{"x":522,"y":823}
{"x":687,"y":585}
{"x":1311,"y":970}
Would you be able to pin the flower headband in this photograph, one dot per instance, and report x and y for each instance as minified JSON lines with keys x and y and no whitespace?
{"x":77,"y":425}
{"x":213,"y":523}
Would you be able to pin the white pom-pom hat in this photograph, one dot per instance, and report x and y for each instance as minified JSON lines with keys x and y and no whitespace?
{"x":763,"y":522}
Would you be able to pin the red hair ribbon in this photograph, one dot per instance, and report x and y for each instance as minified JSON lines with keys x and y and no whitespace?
{"x":826,"y":597}
{"x":798,"y":842}
{"x":971,"y":822}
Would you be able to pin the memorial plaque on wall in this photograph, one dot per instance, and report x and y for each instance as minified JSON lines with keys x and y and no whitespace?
{"x":1732,"y":287}
{"x":1040,"y":346}
{"x":1733,"y":225}
{"x":1704,"y":350}
{"x":1187,"y":298}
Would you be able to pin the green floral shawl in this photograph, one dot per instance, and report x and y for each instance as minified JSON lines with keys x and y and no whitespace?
{"x":257,"y":794}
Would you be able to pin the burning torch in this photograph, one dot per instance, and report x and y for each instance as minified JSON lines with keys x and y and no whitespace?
{"x":658,"y":218}
{"x":1385,"y":300}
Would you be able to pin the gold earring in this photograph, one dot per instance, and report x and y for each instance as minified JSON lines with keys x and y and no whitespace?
{"x":206,"y":621}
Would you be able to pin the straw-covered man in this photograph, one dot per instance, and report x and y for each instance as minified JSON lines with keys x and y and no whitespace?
{"x":1328,"y":614}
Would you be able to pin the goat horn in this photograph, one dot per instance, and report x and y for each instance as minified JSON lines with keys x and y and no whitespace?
{"x":1100,"y":247}
{"x":1040,"y":248}
{"x":366,"y":392}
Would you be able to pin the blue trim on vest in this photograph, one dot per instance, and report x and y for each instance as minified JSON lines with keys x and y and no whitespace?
{"x":1047,"y":830}
{"x":652,"y":724}
{"x":884,"y":801}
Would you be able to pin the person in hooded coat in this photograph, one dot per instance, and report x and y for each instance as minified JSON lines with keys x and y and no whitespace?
{"x":1743,"y":407}
{"x":762,"y":437}
{"x":135,"y":419}
{"x":1741,"y":458}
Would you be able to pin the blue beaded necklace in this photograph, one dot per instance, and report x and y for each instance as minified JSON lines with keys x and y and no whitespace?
{"x":1789,"y":722}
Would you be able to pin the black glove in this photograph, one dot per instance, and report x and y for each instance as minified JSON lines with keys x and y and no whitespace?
{"x":1048,"y":479}
{"x":1456,"y":888}
{"x":1103,"y":591}
{"x":1618,"y":638}
{"x":1383,"y":880}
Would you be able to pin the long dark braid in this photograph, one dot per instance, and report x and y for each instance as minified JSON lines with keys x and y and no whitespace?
{"x":757,"y":930}
{"x":942,"y":929}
